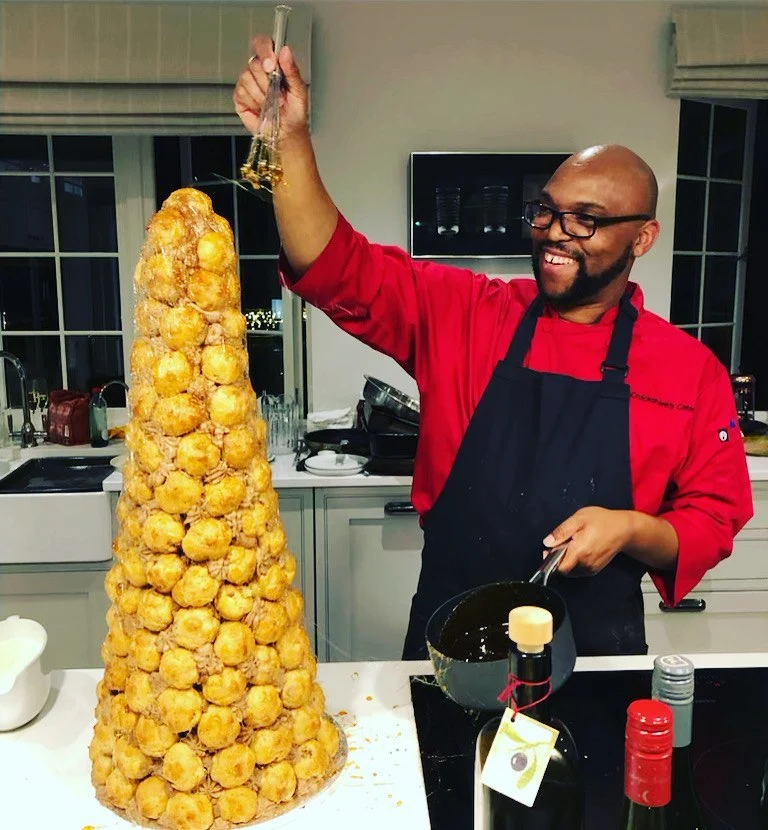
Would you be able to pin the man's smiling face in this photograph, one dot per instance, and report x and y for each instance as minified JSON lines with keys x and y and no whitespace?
{"x":572,"y":272}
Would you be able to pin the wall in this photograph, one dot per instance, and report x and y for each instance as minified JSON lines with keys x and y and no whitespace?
{"x":390,"y":78}
{"x":393,"y":77}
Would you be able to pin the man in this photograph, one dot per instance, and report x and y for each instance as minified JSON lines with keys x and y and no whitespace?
{"x":552,"y":410}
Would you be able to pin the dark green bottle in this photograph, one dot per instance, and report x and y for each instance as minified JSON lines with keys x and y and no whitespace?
{"x":673,"y":681}
{"x":559,"y":804}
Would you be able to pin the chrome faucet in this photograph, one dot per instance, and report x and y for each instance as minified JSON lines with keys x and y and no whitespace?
{"x":27,"y":430}
{"x":112,"y":383}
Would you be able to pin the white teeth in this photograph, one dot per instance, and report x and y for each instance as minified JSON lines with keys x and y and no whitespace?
{"x":557,"y":260}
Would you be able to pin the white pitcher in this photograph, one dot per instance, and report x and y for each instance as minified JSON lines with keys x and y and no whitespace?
{"x":24,"y":688}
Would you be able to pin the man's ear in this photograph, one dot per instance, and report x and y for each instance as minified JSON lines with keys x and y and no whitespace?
{"x":646,"y":237}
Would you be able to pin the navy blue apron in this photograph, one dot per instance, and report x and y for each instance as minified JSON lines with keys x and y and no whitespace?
{"x":539,"y":447}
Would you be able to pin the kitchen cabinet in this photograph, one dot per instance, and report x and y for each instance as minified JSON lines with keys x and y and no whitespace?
{"x":297,"y":514}
{"x":68,"y":600}
{"x":367,"y":563}
{"x":735,"y":596}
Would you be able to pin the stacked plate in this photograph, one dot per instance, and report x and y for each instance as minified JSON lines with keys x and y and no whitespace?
{"x":329,"y":463}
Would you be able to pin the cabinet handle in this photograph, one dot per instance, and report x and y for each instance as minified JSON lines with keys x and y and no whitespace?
{"x":685,"y":606}
{"x":398,"y":508}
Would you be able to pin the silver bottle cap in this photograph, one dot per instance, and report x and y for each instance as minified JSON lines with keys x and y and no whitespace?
{"x":673,"y":679}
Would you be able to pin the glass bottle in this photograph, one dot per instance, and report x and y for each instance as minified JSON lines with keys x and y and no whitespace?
{"x":98,"y":419}
{"x":647,"y":766}
{"x":673,"y":679}
{"x":559,"y":803}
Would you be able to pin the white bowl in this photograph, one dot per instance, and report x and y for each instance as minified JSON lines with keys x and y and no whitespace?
{"x":24,"y":688}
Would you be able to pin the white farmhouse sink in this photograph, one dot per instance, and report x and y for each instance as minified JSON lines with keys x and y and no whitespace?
{"x":54,"y":510}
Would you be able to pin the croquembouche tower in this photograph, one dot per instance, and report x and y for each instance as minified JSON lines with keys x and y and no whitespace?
{"x":209,"y":714}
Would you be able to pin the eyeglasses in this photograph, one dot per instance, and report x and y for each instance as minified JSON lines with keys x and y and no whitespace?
{"x":578,"y":225}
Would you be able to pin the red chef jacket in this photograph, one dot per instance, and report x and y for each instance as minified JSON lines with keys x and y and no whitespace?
{"x":448,"y":328}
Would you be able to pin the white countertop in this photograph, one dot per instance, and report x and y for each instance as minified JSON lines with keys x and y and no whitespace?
{"x":284,"y":477}
{"x":45,"y":764}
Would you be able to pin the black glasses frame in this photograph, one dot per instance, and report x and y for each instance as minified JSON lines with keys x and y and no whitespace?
{"x":597,"y":221}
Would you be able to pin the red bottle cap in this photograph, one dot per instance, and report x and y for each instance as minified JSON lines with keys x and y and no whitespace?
{"x":648,"y":753}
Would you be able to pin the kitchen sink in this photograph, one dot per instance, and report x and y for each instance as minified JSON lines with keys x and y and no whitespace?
{"x":58,"y":475}
{"x":55,"y":510}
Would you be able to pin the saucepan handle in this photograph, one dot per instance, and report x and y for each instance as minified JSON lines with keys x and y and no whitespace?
{"x":550,"y":563}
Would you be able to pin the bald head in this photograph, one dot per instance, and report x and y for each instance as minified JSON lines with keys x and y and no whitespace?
{"x":632,"y":178}
{"x":618,"y":189}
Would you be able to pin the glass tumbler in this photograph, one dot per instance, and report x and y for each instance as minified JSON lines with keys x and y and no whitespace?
{"x":447,"y":210}
{"x":495,"y":198}
{"x":282,"y":417}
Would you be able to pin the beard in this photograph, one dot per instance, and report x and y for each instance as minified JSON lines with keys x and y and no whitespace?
{"x":585,"y":286}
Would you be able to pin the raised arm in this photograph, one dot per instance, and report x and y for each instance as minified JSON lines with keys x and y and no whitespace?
{"x":305,"y":213}
{"x":376,"y":293}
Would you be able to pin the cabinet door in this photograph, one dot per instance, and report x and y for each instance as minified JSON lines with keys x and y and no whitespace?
{"x":728,"y":610}
{"x":729,"y":621}
{"x":297,"y":514}
{"x":71,"y":605}
{"x":746,"y":569}
{"x":368,"y":563}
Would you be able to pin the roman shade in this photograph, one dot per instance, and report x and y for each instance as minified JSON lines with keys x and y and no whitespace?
{"x":131,"y":66}
{"x":719,"y":52}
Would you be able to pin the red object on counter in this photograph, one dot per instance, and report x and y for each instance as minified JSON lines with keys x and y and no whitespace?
{"x":648,"y":753}
{"x":68,"y":421}
{"x":448,"y":328}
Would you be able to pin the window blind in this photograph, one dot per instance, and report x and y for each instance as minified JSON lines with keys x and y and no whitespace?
{"x":123,"y":66}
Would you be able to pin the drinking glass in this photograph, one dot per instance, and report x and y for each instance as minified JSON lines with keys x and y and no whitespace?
{"x":282,"y":416}
{"x":447,"y":207}
{"x":495,"y":198}
{"x":39,"y":394}
{"x":5,"y":433}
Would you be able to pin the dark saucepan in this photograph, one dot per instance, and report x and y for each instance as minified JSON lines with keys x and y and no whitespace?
{"x":380,"y":420}
{"x":469,"y":647}
{"x":352,"y":441}
{"x":393,"y":445}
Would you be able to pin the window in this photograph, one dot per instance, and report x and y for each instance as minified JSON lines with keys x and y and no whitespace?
{"x":206,"y":163}
{"x":73,"y":210}
{"x":60,"y":298}
{"x":714,"y":183}
{"x":754,"y":351}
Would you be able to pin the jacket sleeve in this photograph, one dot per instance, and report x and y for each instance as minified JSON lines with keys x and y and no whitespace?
{"x":377,"y":293}
{"x":711,"y":497}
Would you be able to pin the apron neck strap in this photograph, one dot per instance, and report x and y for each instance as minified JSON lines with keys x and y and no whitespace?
{"x":614,"y":366}
{"x":521,"y":341}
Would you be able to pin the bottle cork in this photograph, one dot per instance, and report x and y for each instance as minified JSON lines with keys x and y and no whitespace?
{"x":530,"y":628}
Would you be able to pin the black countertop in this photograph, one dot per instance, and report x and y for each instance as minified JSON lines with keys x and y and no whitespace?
{"x":729,"y":748}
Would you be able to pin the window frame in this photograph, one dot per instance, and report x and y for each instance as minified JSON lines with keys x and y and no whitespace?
{"x":134,"y":186}
{"x":745,"y":182}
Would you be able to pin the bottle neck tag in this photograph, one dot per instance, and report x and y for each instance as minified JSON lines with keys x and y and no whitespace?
{"x":518,"y":757}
